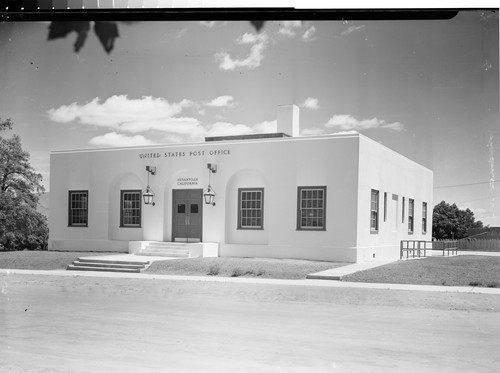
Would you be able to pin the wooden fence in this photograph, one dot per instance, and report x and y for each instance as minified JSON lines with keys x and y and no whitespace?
{"x":477,"y":244}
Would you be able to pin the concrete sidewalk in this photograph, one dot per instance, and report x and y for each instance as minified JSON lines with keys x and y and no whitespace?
{"x":338,"y":273}
{"x":251,"y":280}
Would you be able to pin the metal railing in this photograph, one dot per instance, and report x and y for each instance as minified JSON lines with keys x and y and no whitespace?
{"x":419,"y":249}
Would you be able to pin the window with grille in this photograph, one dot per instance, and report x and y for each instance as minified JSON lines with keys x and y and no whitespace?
{"x":374,"y":211}
{"x":311,"y":208}
{"x":130,"y":208}
{"x":410,"y":215}
{"x":424,"y":217}
{"x":251,"y":208}
{"x":78,"y":208}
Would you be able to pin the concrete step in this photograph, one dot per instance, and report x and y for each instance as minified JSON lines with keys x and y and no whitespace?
{"x":104,"y":264}
{"x":72,"y":267}
{"x":165,"y":253}
{"x":170,"y":244}
{"x":107,"y":265}
{"x":166,"y":249}
{"x":113,"y":261}
{"x":172,"y":249}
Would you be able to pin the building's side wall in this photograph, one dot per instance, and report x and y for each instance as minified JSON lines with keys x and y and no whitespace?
{"x":394,"y":177}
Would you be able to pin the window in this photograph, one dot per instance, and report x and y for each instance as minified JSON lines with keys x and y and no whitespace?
{"x":385,"y":206}
{"x":403,"y":211}
{"x":410,"y":215}
{"x":374,"y":211}
{"x":78,"y":208}
{"x":250,"y":208}
{"x":311,"y":206}
{"x":424,"y":217}
{"x":130,"y":208}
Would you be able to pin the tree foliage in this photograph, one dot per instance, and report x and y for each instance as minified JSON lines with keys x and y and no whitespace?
{"x":449,"y":222}
{"x":21,"y":225}
{"x":106,"y":32}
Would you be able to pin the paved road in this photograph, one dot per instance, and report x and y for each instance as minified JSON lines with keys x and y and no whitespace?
{"x":92,"y":324}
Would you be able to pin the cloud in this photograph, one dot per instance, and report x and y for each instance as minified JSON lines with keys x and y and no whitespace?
{"x":118,"y":111}
{"x":352,"y":132}
{"x":230,"y":129}
{"x":315,"y":131}
{"x":352,"y":29}
{"x":266,"y":127}
{"x":115,"y":139}
{"x":122,"y":114}
{"x":247,"y":38}
{"x":253,"y":60}
{"x":312,"y":131}
{"x":289,"y":28}
{"x":222,"y":101}
{"x":348,"y":122}
{"x":209,"y":24}
{"x":310,"y":103}
{"x":132,"y":121}
{"x":308,"y":35}
{"x":227,"y":129}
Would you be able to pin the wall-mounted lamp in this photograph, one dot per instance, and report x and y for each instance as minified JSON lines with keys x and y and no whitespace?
{"x":148,"y":195}
{"x":209,"y":194}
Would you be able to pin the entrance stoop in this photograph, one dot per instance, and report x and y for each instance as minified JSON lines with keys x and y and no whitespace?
{"x":109,"y":264}
{"x":174,"y":249}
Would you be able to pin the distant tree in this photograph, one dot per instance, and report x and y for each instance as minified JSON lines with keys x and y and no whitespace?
{"x":21,"y":225}
{"x":449,"y":222}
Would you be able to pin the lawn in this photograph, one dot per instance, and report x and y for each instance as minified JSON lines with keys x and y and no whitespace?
{"x":44,"y":260}
{"x":463,"y":270}
{"x":242,"y":267}
{"x":226,"y":267}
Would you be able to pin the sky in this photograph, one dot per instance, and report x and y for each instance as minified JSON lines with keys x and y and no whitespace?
{"x":428,"y":89}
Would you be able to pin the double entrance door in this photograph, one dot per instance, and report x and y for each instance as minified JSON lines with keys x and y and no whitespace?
{"x":187,"y":205}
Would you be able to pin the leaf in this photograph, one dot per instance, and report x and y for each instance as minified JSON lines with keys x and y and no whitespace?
{"x":107,"y":32}
{"x":62,"y":29}
{"x":5,"y":124}
{"x":257,"y":24}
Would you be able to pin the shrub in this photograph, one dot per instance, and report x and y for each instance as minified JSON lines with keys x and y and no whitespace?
{"x":213,"y":270}
{"x":475,"y":283}
{"x":237,"y":272}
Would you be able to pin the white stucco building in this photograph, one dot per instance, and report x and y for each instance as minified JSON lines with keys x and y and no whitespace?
{"x":338,"y":197}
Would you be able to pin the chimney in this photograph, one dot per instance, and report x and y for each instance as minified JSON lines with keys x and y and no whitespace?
{"x":288,"y":120}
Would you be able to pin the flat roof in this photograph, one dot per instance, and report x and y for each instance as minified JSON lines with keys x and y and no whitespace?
{"x":247,"y":137}
{"x":222,"y":140}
